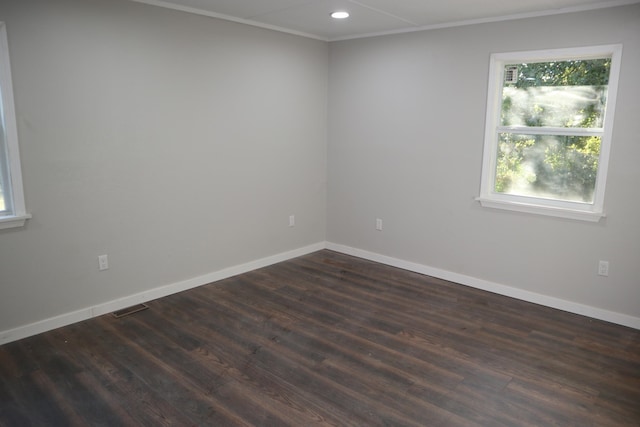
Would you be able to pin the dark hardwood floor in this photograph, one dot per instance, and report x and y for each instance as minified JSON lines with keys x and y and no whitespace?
{"x":327,"y":339}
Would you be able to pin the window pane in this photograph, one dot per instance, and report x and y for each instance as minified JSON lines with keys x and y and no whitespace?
{"x":556,"y":94}
{"x":2,"y":204}
{"x":4,"y":173}
{"x":557,"y":106}
{"x":548,"y":166}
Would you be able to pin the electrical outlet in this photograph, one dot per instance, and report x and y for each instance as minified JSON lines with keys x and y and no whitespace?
{"x":603,"y":268}
{"x":378,"y":224}
{"x":292,"y":220}
{"x":103,"y":262}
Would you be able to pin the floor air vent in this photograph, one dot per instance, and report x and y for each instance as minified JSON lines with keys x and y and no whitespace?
{"x":130,"y":310}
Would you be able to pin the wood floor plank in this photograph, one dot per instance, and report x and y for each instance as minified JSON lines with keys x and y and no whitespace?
{"x":122,"y":388}
{"x":232,"y":358}
{"x":327,"y":340}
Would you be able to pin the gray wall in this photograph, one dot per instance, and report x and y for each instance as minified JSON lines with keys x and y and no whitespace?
{"x":177,"y":144}
{"x":406,"y":116}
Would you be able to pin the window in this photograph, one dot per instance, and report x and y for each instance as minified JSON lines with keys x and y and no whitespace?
{"x":548,"y":131}
{"x":12,"y":208}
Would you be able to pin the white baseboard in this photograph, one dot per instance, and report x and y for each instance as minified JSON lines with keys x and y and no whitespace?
{"x":548,"y":301}
{"x":111,"y":306}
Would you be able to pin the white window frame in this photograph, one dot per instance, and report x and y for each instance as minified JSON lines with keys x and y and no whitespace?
{"x":16,"y":215}
{"x":552,"y":207}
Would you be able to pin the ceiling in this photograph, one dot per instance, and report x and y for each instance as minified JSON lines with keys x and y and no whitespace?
{"x":311,"y":18}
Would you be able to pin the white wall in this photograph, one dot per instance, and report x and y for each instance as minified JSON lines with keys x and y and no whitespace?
{"x":406,"y":116}
{"x":177,"y":144}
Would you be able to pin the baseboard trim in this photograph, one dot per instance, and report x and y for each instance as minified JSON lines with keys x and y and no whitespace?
{"x":163,"y":291}
{"x":146,"y":296}
{"x":548,"y":301}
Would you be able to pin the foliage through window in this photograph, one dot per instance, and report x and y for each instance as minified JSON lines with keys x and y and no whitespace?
{"x":549,"y":123}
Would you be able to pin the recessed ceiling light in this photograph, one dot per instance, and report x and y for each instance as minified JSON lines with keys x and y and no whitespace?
{"x":340,"y":15}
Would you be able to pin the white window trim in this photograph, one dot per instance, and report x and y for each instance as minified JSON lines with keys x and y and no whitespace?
{"x":572,"y":210}
{"x":19,"y":214}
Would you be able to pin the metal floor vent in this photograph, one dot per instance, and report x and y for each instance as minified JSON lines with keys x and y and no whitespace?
{"x":130,"y":310}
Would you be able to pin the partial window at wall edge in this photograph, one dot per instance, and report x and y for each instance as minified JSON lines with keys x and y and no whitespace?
{"x":13,"y":211}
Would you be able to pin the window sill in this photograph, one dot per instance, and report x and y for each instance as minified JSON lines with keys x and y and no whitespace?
{"x":13,"y":221}
{"x":542,"y":210}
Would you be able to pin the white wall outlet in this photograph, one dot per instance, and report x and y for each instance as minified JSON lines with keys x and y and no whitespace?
{"x":103,"y":262}
{"x":378,"y":224}
{"x":603,"y":268}
{"x":292,"y":220}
